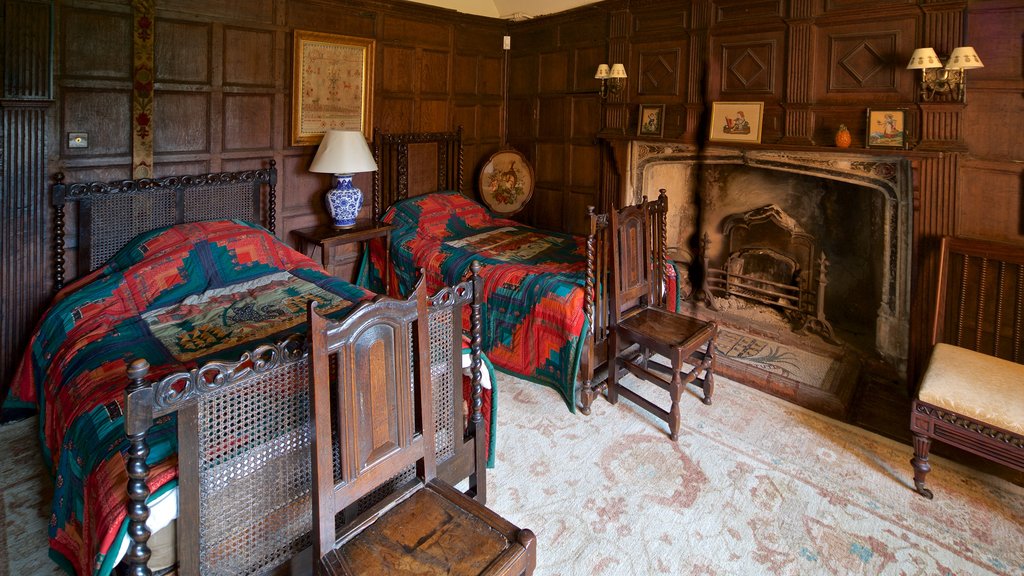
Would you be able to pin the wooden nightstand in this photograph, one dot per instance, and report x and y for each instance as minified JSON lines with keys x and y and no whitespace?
{"x":326,"y":237}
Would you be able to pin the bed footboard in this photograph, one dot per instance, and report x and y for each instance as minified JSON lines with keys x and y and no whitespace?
{"x":244,"y":474}
{"x":592,"y":373}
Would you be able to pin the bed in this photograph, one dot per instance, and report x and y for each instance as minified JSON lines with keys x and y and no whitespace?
{"x":173,"y":271}
{"x":544,"y":314}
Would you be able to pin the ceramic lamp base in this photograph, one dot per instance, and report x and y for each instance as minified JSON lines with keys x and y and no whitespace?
{"x":344,"y":202}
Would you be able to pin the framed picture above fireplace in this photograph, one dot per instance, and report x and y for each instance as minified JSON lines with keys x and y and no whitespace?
{"x":736,"y":121}
{"x":886,"y":129}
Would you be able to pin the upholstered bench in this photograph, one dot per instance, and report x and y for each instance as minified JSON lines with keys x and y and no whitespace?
{"x":972,"y":393}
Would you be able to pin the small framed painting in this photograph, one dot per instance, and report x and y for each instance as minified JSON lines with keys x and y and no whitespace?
{"x":652,"y":120}
{"x":886,"y":129}
{"x":506,"y":182}
{"x":736,"y":121}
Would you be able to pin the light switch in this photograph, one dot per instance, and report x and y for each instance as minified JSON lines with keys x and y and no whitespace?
{"x":78,"y":139}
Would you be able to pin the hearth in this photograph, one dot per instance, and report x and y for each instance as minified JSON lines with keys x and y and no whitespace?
{"x":809,"y":248}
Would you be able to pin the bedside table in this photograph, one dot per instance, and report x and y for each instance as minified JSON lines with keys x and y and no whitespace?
{"x":326,"y":237}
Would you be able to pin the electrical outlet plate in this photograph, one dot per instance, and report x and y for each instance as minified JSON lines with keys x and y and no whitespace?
{"x":78,"y":139}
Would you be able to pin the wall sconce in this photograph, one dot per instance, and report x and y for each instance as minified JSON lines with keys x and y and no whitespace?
{"x":612,"y":79}
{"x":944,"y":77}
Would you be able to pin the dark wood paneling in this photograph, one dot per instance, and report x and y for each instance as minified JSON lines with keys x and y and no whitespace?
{"x":181,"y":122}
{"x":249,"y":57}
{"x":247,"y":122}
{"x":26,"y":50}
{"x":86,"y":54}
{"x":434,"y":73}
{"x":397,"y":69}
{"x":182,"y":51}
{"x":750,"y":66}
{"x":104,"y":115}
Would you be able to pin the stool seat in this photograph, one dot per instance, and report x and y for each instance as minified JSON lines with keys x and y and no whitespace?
{"x":994,"y":395}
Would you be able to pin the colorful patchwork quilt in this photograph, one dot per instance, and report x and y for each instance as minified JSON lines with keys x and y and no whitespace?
{"x":533,"y":320}
{"x":177,"y":297}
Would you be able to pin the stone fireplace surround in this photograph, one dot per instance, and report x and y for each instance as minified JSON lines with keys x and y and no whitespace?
{"x":672,"y":166}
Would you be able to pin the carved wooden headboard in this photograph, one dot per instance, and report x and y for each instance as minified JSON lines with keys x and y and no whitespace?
{"x":109,"y":215}
{"x":414,"y":163}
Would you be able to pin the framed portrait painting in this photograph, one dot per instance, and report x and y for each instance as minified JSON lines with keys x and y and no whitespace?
{"x":332,"y":85}
{"x":652,"y":120}
{"x":886,"y":129}
{"x":736,"y":121}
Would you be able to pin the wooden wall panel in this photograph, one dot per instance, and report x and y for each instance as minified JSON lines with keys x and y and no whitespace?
{"x":554,"y":71}
{"x":247,"y":122}
{"x":225,"y":10}
{"x":747,"y":11}
{"x":249,"y":57}
{"x":104,"y":115}
{"x":987,"y":184}
{"x":434,"y":73}
{"x":181,"y":122}
{"x":181,"y":51}
{"x":86,"y":54}
{"x":750,"y":66}
{"x":865,"y":63}
{"x":659,"y":71}
{"x":397,"y":69}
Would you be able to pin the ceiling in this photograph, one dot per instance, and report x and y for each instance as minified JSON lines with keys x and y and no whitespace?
{"x":512,"y":9}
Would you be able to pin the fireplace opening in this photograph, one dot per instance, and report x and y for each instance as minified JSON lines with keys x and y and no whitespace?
{"x":803,"y":255}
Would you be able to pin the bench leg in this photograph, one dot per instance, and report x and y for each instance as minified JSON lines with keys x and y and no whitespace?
{"x":922,"y":444}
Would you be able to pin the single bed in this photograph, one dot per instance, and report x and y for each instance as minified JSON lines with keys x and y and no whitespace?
{"x":174,"y":271}
{"x":544,"y":314}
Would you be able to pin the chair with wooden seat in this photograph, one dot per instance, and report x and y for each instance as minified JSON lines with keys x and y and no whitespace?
{"x":641,"y":327}
{"x":380,"y":407}
{"x":971,"y":395}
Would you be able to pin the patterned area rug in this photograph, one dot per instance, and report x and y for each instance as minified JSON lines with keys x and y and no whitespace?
{"x":755,"y":485}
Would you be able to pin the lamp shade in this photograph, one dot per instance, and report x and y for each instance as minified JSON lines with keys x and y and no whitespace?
{"x":602,"y":72}
{"x":343,"y":152}
{"x":618,"y":71}
{"x":924,"y":58}
{"x":964,"y":58}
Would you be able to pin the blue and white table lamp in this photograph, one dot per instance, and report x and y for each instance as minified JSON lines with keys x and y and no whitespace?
{"x":343,"y":153}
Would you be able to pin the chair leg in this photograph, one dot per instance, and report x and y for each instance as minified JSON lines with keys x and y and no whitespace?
{"x":709,"y":374}
{"x":675,"y":390}
{"x":613,"y":368}
{"x":922,"y":444}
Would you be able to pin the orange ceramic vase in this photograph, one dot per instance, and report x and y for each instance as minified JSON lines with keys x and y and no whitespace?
{"x":843,"y":137}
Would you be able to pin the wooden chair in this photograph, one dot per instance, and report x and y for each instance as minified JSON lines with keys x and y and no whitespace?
{"x":640,"y":325}
{"x":972,"y":393}
{"x":380,"y":404}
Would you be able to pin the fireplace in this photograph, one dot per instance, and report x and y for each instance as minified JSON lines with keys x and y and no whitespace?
{"x":820,"y":240}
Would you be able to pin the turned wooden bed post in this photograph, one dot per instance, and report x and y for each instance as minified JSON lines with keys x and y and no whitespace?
{"x":59,"y":191}
{"x":138,"y":416}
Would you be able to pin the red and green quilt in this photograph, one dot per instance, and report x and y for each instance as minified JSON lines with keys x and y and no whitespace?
{"x":177,"y":297}
{"x":533,"y":295}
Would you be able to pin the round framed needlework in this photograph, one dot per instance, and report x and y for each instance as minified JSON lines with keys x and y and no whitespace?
{"x":506,"y":182}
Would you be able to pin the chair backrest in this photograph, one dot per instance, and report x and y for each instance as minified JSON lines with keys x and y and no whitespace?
{"x":980,"y":300}
{"x":382,"y":351}
{"x":638,"y":256}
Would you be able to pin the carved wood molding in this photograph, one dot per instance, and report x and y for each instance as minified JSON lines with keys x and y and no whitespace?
{"x":971,"y":425}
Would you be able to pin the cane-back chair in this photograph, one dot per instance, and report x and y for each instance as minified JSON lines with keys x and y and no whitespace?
{"x":972,"y":393}
{"x":640,"y":325}
{"x":379,"y":407}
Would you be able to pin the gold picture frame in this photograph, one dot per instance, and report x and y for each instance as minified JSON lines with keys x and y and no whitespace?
{"x":332,"y":85}
{"x":887,"y":128}
{"x":736,"y":121}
